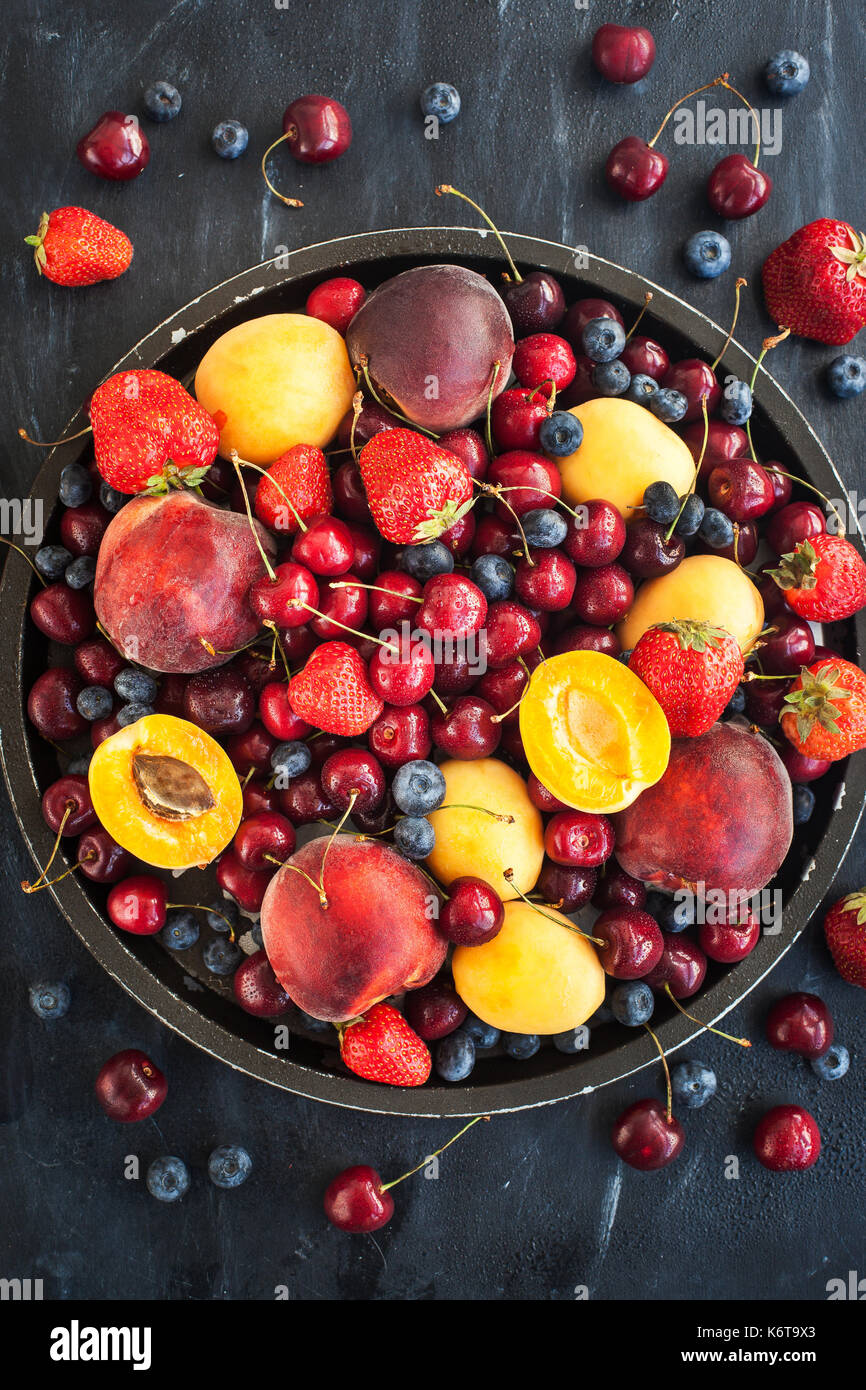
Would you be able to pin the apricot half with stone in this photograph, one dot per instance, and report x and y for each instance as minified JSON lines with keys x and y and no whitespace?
{"x":593,"y":733}
{"x":166,"y":791}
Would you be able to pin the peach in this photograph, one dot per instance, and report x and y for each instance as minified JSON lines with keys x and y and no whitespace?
{"x":721,"y":815}
{"x":485,"y":842}
{"x":624,"y":449}
{"x":173,"y":573}
{"x":538,"y":975}
{"x":706,"y":587}
{"x":279,"y":380}
{"x":372,"y":933}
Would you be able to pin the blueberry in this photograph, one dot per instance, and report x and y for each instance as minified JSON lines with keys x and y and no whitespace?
{"x":229,"y":139}
{"x":81,"y":572}
{"x":290,"y":760}
{"x":672,"y":914}
{"x":314,"y":1025}
{"x":561,"y":434}
{"x":418,"y":787}
{"x":707,"y":254}
{"x":162,"y":101}
{"x":426,"y":560}
{"x":545,"y":528}
{"x":52,"y":561}
{"x":79,"y":767}
{"x":414,"y":837}
{"x":257,"y":935}
{"x":737,"y":702}
{"x":494,"y":577}
{"x":611,"y":378}
{"x":716,"y":528}
{"x":131,"y":713}
{"x":602,"y":1015}
{"x":834,"y":1063}
{"x":632,"y":1003}
{"x":135,"y":686}
{"x":692,"y":1084}
{"x":111,"y":499}
{"x":846,"y":376}
{"x":786,"y":73}
{"x":484,"y":1035}
{"x":641,"y":389}
{"x":804,"y":804}
{"x":625,"y":656}
{"x":521,"y":1046}
{"x":167,"y":1179}
{"x":180,"y":931}
{"x":454,"y":1057}
{"x":736,"y":404}
{"x":668,"y":405}
{"x":661,"y":503}
{"x":572,"y":1040}
{"x":441,"y":100}
{"x":221,"y":956}
{"x":222,"y":914}
{"x":94,"y":702}
{"x":603,"y":339}
{"x":76,"y":485}
{"x":229,"y":1166}
{"x":691,"y":515}
{"x":50,"y":1000}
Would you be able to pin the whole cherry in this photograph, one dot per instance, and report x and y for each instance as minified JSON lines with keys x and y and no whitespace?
{"x":219,"y":701}
{"x":800,"y":1023}
{"x":277,"y":714}
{"x":434,"y":1010}
{"x":67,"y":808}
{"x":467,"y":730}
{"x":517,"y":415}
{"x":596,"y":536}
{"x":616,"y":888}
{"x":357,"y":1202}
{"x":645,"y":357}
{"x":286,"y":599}
{"x":400,"y":735}
{"x":623,"y":53}
{"x":51,"y":706}
{"x":511,"y":632}
{"x":741,"y":489}
{"x":635,"y":169}
{"x":326,"y":547}
{"x":579,"y":838}
{"x":535,"y":303}
{"x":263,"y":838}
{"x":544,"y":357}
{"x":316,"y":129}
{"x":468,"y":445}
{"x":101,"y":858}
{"x":695,"y":380}
{"x":602,"y":596}
{"x":545,"y":580}
{"x":304,"y":800}
{"x":336,"y":301}
{"x":567,"y":887}
{"x":352,"y":776}
{"x":62,"y":614}
{"x":527,"y":481}
{"x":138,"y":904}
{"x":115,"y":148}
{"x":796,"y":522}
{"x":397,"y":604}
{"x":257,"y":989}
{"x":472,"y":913}
{"x":646,"y":1136}
{"x":789,"y":647}
{"x":736,"y":188}
{"x":724,"y":442}
{"x":787,"y":1139}
{"x":246,"y":886}
{"x":402,"y":675}
{"x":344,"y":603}
{"x":350,"y":499}
{"x":585,"y":638}
{"x":130,"y":1086}
{"x":730,"y":941}
{"x":682,"y":966}
{"x":633,"y":942}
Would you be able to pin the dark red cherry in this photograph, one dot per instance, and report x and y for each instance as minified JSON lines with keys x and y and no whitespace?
{"x":517,"y":416}
{"x":403,"y":675}
{"x":512,"y":631}
{"x":527,"y":481}
{"x":130,"y":1086}
{"x":782,"y":485}
{"x":545,"y":580}
{"x":434,"y":1010}
{"x":695,"y":380}
{"x":51,"y":706}
{"x":460,"y":536}
{"x":741,"y":489}
{"x":67,"y":802}
{"x":356,"y":1201}
{"x":787,"y":1139}
{"x":287,"y":599}
{"x":645,"y":1137}
{"x":567,"y":887}
{"x":602,"y":596}
{"x":101,"y":858}
{"x":325,"y":547}
{"x":246,"y":886}
{"x":729,"y":942}
{"x":468,"y":445}
{"x":367,"y":547}
{"x":742,"y":549}
{"x":400,"y":734}
{"x":472,"y":913}
{"x":633,"y":942}
{"x":344,"y":605}
{"x":579,"y":838}
{"x":396,"y":606}
{"x":64,"y":615}
{"x":536,"y":303}
{"x":616,"y":888}
{"x":496,"y":536}
{"x":539,"y":795}
{"x":456,"y":673}
{"x":115,"y":148}
{"x":503,"y":689}
{"x":585,"y":638}
{"x":467,"y":729}
{"x":645,"y":357}
{"x":724,"y":442}
{"x":220,"y":701}
{"x":250,"y":751}
{"x":796,"y":522}
{"x":635,"y":170}
{"x":317,"y":129}
{"x":97,"y":662}
{"x":790,"y":647}
{"x":277,"y":714}
{"x":765,"y":701}
{"x":353,"y":776}
{"x":304,"y":800}
{"x":580,"y":313}
{"x":736,"y":188}
{"x":255,"y":667}
{"x":596,"y":536}
{"x":800,"y":1023}
{"x":372,"y":419}
{"x":257,"y":989}
{"x":262,"y":838}
{"x":350,"y":499}
{"x":683,"y":966}
{"x":258,"y":796}
{"x":583,"y":387}
{"x":799,"y":767}
{"x":623,"y":53}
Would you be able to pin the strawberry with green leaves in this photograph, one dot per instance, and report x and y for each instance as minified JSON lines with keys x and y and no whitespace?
{"x":415,"y":489}
{"x":333,"y":692}
{"x":301,"y":488}
{"x":815,"y":282}
{"x":845,"y":933}
{"x":74,"y":247}
{"x":692,"y":668}
{"x":825,"y":710}
{"x":823,"y":579}
{"x":380,"y":1046}
{"x":149,"y":431}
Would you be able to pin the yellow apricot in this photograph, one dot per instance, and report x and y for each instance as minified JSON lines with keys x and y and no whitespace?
{"x":624,"y":449}
{"x":705,"y":587}
{"x":279,"y":380}
{"x":536,"y":976}
{"x":485,"y":843}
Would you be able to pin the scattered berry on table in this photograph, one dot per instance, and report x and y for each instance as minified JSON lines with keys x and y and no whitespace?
{"x":426,"y":560}
{"x":603,"y":339}
{"x":611,"y":378}
{"x":94,"y":702}
{"x":221,"y":956}
{"x":521,"y":1046}
{"x":561,"y":434}
{"x":693,"y":1084}
{"x":229,"y":1166}
{"x":418,"y":787}
{"x":162,"y":102}
{"x":494,"y":577}
{"x":454,"y":1056}
{"x":786,"y":73}
{"x":804,"y":804}
{"x":81,"y":572}
{"x":180,"y":931}
{"x":632,"y":1003}
{"x":414,"y":837}
{"x":544,"y":528}
{"x":137,"y":687}
{"x":846,"y":940}
{"x":441,"y":100}
{"x":50,"y":1000}
{"x":707,"y":254}
{"x":167,"y":1179}
{"x":76,"y":485}
{"x":229,"y":139}
{"x":846,"y":376}
{"x":668,"y":405}
{"x":833,"y":1065}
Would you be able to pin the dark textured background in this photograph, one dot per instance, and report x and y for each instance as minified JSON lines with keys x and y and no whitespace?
{"x":534,"y":1204}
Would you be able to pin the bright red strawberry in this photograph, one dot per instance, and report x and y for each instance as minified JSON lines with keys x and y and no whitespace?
{"x":147,"y":426}
{"x":301,"y":488}
{"x":825,"y":713}
{"x":692,"y":668}
{"x":415,"y":489}
{"x":823,"y":579}
{"x":75,"y":247}
{"x":382,"y":1047}
{"x":845,"y":931}
{"x":815,"y":282}
{"x":333,"y":693}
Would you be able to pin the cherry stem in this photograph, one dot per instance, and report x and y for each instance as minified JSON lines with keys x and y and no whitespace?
{"x":741,"y":1042}
{"x":365,"y":368}
{"x":497,"y":489}
{"x":465,"y":806}
{"x":647,"y":300}
{"x":435,"y":1154}
{"x":353,"y":797}
{"x":378,"y":588}
{"x":508,"y":875}
{"x":199,"y":907}
{"x":299,"y":603}
{"x":739,"y":285}
{"x":29,"y":887}
{"x":50,"y":882}
{"x":551,"y":399}
{"x":268,"y":566}
{"x":719,"y":81}
{"x":54,"y":443}
{"x":245,"y":463}
{"x":289,"y":202}
{"x":13,"y":546}
{"x":449,"y":188}
{"x":697,"y":472}
{"x":754,"y":115}
{"x":492,"y":491}
{"x":498,"y":718}
{"x":269,"y":622}
{"x":357,"y":407}
{"x":670,"y":1104}
{"x":488,"y":428}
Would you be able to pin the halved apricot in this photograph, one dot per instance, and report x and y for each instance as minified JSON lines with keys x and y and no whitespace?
{"x":166,"y":791}
{"x":592,"y":732}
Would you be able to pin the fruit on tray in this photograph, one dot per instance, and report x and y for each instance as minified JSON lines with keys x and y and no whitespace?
{"x":430,"y":339}
{"x":624,"y":449}
{"x":344,"y":937}
{"x":333,"y":691}
{"x":75,"y":247}
{"x":692,"y":669}
{"x":824,"y":712}
{"x":537,"y":975}
{"x":382,"y":1047}
{"x":172,"y":579}
{"x":144,"y":423}
{"x":592,"y":732}
{"x":721,"y":815}
{"x":485,"y":826}
{"x":278,"y":380}
{"x":166,"y":791}
{"x":823,"y":579}
{"x":415,"y":489}
{"x":703,"y":588}
{"x":815,"y":282}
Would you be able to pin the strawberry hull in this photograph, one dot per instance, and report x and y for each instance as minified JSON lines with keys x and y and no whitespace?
{"x":173,"y":573}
